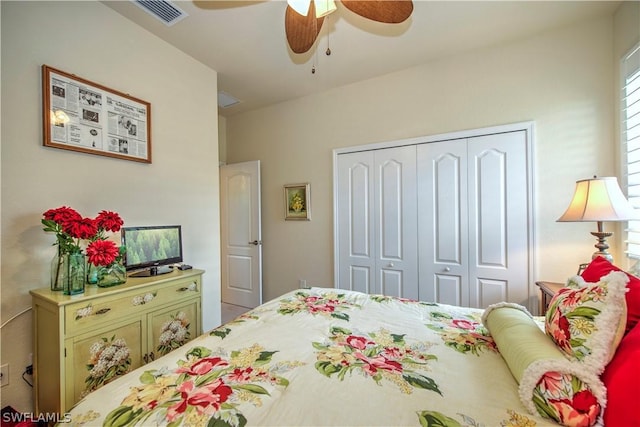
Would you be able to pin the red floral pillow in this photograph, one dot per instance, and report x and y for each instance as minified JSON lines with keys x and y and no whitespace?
{"x":600,"y":267}
{"x":622,"y":379}
{"x":586,"y":320}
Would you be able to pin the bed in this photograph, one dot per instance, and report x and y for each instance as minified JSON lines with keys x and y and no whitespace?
{"x":316,"y":357}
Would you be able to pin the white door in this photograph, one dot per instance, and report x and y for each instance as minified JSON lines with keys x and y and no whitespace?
{"x":396,"y":221}
{"x":443,"y":222}
{"x":473,"y":229}
{"x":377,"y":217}
{"x":241,"y":238}
{"x":355,"y":226}
{"x":498,"y":219}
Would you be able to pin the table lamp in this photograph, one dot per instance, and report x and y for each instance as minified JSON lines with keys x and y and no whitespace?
{"x":599,"y":200}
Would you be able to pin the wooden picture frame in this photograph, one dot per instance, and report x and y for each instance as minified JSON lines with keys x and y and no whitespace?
{"x":297,"y":202}
{"x":81,"y":115}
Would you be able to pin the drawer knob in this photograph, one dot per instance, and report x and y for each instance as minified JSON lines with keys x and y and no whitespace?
{"x":191,"y":287}
{"x":103,"y":310}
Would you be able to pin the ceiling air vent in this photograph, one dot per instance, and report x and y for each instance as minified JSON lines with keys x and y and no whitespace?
{"x":163,"y":10}
{"x":225,"y":100}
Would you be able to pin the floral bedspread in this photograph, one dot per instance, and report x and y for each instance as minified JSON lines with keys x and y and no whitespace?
{"x":318,"y":357}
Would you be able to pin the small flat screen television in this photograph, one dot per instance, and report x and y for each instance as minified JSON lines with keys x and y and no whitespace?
{"x":151,"y":249}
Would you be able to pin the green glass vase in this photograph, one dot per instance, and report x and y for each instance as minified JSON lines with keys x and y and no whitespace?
{"x":111,"y":275}
{"x":58,"y":272}
{"x":75,"y":267}
{"x":68,"y":273}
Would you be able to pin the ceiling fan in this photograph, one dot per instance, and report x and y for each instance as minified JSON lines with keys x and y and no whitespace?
{"x":303,"y":18}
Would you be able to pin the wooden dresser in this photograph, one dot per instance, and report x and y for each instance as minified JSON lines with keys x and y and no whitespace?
{"x":83,"y":341}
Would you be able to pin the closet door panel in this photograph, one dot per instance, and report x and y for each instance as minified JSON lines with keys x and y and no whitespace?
{"x":498,"y":213}
{"x":442,"y":221}
{"x":391,"y":210}
{"x":360,"y":211}
{"x":391,"y":283}
{"x":356,"y":246}
{"x":396,"y":220}
{"x":359,"y":278}
{"x":449,"y":289}
{"x":490,"y":291}
{"x":490,"y":198}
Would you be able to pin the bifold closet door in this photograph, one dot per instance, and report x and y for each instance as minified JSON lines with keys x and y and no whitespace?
{"x":472,"y":222}
{"x":377,"y":220}
{"x":498,"y":219}
{"x":356,"y":239}
{"x":443,"y":222}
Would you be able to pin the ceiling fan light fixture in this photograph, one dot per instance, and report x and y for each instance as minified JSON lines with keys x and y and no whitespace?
{"x":303,"y":19}
{"x":323,"y":7}
{"x":300,"y":6}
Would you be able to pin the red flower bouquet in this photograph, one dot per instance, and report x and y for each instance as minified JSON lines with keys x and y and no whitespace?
{"x":102,"y":252}
{"x":71,"y":230}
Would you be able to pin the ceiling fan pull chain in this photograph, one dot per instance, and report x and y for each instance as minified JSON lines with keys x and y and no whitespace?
{"x":315,"y":55}
{"x":328,"y":51}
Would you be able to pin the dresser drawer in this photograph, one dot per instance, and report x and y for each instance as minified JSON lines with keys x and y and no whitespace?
{"x":92,"y":314}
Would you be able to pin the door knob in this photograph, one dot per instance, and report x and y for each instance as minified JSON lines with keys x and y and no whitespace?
{"x":256,"y":242}
{"x":447,"y":269}
{"x":390,"y":265}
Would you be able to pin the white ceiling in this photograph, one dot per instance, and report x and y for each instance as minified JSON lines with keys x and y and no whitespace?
{"x":245,"y":42}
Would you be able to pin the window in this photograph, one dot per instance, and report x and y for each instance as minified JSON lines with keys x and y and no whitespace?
{"x":630,"y":127}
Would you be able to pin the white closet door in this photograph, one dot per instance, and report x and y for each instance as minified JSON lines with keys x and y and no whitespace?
{"x":377,"y":219}
{"x":396,"y":222}
{"x":355,"y":215}
{"x":498,"y":213}
{"x":443,"y":222}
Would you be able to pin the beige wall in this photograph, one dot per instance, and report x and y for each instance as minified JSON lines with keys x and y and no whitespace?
{"x":222,"y":139}
{"x":625,"y":36}
{"x":560,"y":79}
{"x":180,"y":186}
{"x":626,"y":28}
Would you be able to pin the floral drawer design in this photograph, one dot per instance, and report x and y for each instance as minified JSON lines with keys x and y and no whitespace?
{"x":174,"y":333}
{"x":109,"y":359}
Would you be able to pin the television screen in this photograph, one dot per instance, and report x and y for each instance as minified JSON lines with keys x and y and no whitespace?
{"x":152,"y":248}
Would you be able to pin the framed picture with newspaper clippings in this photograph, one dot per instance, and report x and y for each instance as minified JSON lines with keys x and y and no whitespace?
{"x":81,"y":115}
{"x":297,"y":198}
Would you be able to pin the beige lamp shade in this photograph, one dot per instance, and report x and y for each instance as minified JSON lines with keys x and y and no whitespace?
{"x":598,"y":199}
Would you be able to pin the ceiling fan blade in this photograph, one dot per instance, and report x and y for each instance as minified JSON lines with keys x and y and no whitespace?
{"x":387,"y":11}
{"x":302,"y":31}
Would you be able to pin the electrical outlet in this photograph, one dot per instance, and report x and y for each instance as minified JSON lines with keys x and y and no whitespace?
{"x":4,"y":375}
{"x":302,"y":283}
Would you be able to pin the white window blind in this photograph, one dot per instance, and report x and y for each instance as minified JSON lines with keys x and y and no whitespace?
{"x":630,"y":96}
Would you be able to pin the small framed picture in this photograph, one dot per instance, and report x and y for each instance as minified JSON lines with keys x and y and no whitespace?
{"x":297,"y":199}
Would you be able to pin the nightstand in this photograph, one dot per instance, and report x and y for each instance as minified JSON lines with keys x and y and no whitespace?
{"x":547,"y":291}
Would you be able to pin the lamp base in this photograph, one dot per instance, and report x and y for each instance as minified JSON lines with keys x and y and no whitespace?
{"x":602,"y":245}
